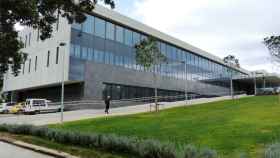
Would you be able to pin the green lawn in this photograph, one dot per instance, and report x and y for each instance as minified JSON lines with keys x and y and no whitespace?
{"x":230,"y":127}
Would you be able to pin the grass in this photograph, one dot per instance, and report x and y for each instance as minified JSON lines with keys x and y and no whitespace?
{"x":73,"y":150}
{"x":231,"y":127}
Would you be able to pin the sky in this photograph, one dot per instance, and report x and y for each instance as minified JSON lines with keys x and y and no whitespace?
{"x":220,"y":27}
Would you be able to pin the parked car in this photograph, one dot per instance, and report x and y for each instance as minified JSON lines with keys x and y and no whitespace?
{"x":266,"y":91}
{"x":277,"y":90}
{"x":6,"y":107}
{"x":34,"y":106}
{"x":17,"y":108}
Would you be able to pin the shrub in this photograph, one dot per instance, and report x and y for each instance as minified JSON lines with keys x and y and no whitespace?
{"x":243,"y":155}
{"x":272,"y":151}
{"x":191,"y":152}
{"x":154,"y":149}
{"x":111,"y":143}
{"x":207,"y":153}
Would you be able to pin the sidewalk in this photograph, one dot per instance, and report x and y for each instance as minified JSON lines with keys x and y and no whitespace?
{"x":13,"y":148}
{"x":53,"y":118}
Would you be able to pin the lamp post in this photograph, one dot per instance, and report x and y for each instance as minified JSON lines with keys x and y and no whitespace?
{"x":62,"y":44}
{"x":255,"y":83}
{"x":231,"y":86}
{"x":264,"y":82}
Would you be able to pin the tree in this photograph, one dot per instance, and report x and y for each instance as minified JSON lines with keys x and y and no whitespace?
{"x":38,"y":14}
{"x":149,"y":56}
{"x":273,"y":45}
{"x":232,"y":60}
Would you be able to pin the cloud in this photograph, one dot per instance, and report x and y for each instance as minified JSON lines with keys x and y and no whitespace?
{"x":220,"y":27}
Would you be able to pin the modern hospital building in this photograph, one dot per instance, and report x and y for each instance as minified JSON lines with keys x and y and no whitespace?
{"x":98,"y":59}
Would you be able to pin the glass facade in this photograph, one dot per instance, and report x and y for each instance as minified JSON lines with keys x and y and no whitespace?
{"x":118,"y":92}
{"x":102,"y":41}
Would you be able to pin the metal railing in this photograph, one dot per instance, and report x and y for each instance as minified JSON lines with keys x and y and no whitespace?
{"x":134,"y":101}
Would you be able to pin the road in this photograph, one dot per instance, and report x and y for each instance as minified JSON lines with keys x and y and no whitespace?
{"x":53,"y":118}
{"x":11,"y":151}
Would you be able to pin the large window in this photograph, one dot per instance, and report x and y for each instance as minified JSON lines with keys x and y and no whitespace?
{"x":99,"y":27}
{"x":77,"y":51}
{"x":112,"y":59}
{"x":99,"y":56}
{"x":128,"y":37}
{"x":119,"y":60}
{"x":118,"y":92}
{"x":84,"y":53}
{"x":163,"y":48}
{"x":88,"y":25}
{"x":119,"y":34}
{"x":136,"y":38}
{"x":107,"y":58}
{"x":169,"y":51}
{"x":90,"y":54}
{"x":174,"y":53}
{"x":110,"y":31}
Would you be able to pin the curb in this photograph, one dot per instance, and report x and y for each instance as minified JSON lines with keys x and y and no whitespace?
{"x":38,"y":149}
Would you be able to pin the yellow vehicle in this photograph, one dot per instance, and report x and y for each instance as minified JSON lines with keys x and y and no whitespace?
{"x":18,"y":108}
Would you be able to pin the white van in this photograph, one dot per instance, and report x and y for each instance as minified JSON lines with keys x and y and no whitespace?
{"x":34,"y":106}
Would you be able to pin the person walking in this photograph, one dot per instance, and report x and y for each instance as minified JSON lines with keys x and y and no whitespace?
{"x":107,"y":104}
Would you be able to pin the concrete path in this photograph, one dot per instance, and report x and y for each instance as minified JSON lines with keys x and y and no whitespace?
{"x":52,"y":118}
{"x":12,"y":151}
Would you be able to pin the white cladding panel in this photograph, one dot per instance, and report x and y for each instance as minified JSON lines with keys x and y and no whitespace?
{"x":44,"y":75}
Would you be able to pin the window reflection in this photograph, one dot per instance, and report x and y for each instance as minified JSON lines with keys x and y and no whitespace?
{"x":119,"y":34}
{"x":99,"y":27}
{"x":110,"y":31}
{"x":119,"y":50}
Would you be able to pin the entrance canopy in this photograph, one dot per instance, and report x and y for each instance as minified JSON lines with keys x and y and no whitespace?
{"x":256,"y":82}
{"x":268,"y":80}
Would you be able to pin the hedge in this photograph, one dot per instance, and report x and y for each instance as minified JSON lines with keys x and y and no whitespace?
{"x":112,"y":143}
{"x":272,"y":151}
